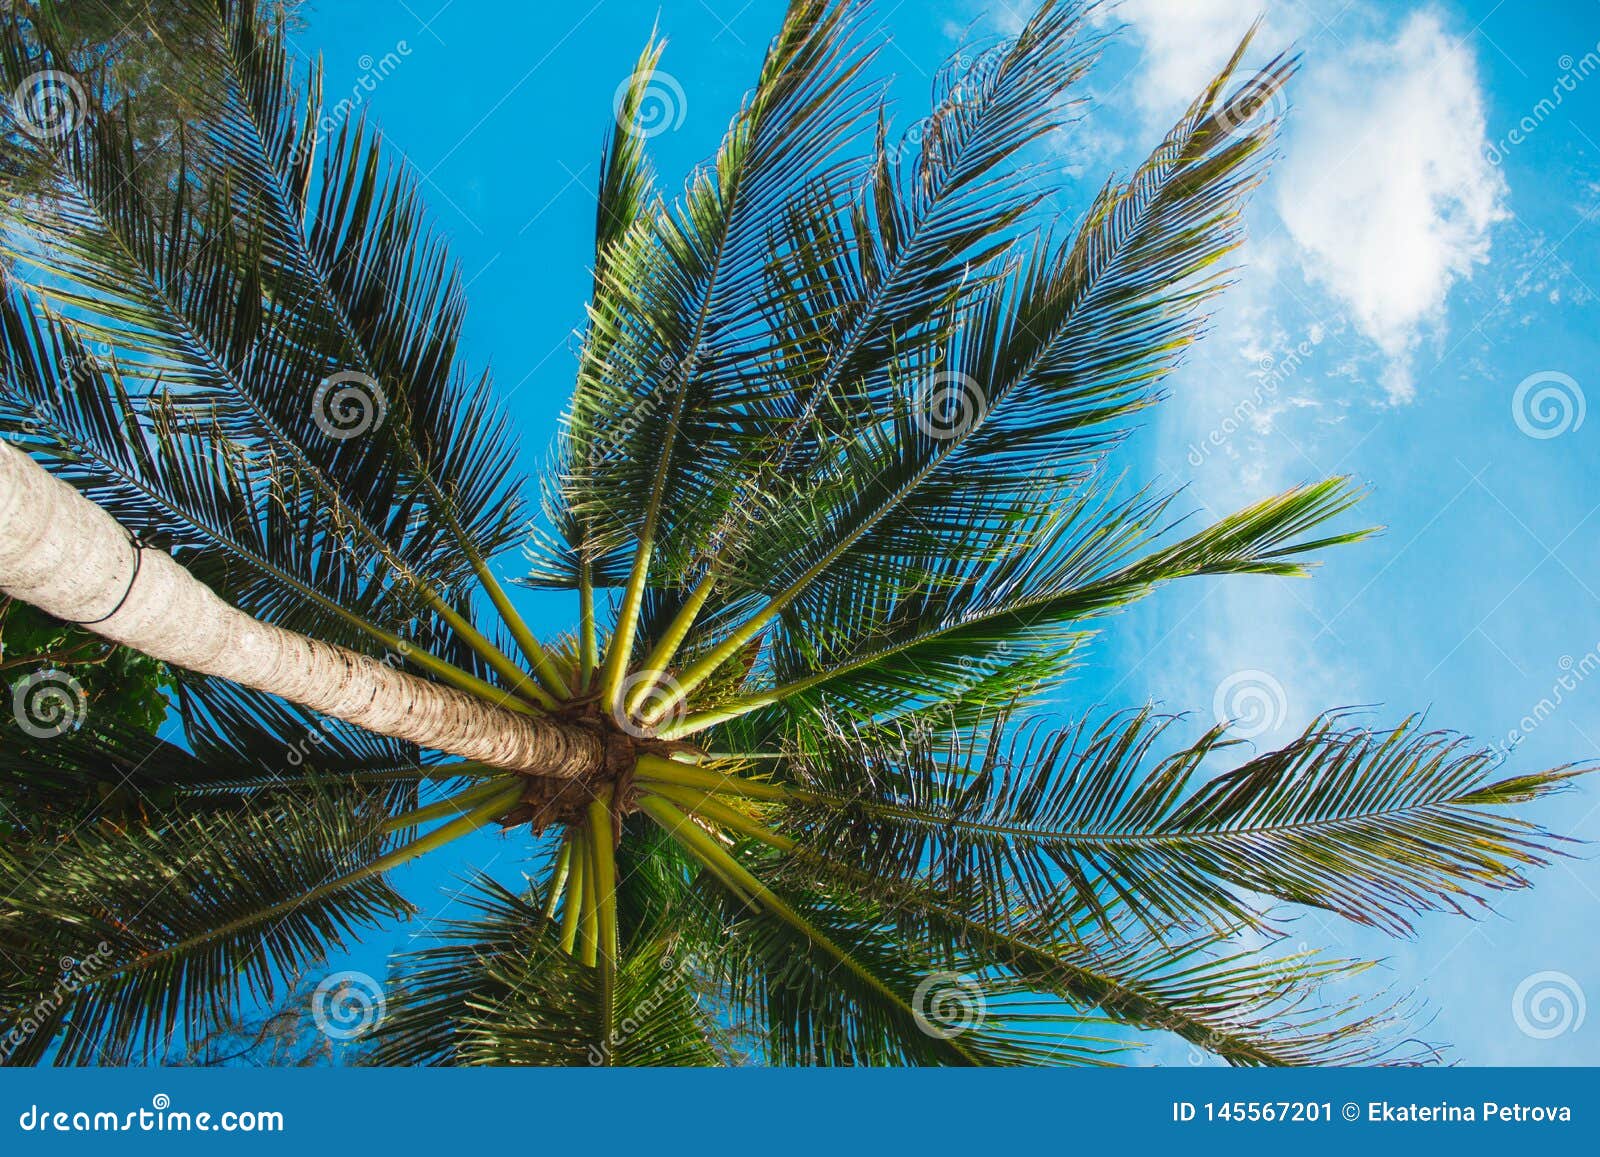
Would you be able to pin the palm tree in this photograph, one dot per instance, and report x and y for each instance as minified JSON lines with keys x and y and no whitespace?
{"x":834,"y":497}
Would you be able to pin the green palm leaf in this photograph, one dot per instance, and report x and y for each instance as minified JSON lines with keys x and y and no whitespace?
{"x":498,"y":989}
{"x":1376,"y":826}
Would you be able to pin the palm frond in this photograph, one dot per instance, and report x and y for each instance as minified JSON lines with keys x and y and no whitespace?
{"x":1046,"y":358}
{"x":175,"y":915}
{"x":1249,"y":1006}
{"x":829,"y":983}
{"x":1375,"y":826}
{"x":988,"y":626}
{"x":498,"y":989}
{"x":682,"y":326}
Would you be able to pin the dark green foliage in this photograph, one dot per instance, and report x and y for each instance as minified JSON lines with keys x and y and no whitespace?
{"x":122,"y":687}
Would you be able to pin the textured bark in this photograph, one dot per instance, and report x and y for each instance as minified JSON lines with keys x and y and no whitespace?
{"x":63,"y":554}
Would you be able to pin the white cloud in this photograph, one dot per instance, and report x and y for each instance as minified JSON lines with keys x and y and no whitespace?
{"x":1385,"y":190}
{"x":1380,"y":204}
{"x":1384,"y":193}
{"x":1186,"y":42}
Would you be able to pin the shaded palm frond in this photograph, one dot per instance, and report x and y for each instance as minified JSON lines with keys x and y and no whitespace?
{"x":183,"y":920}
{"x":824,"y":979}
{"x":680,"y":365}
{"x":1043,"y":362}
{"x":1249,"y":1006}
{"x":235,"y":746}
{"x":997,"y":620}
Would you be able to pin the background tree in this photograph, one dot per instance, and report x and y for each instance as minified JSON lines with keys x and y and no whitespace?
{"x":143,"y":46}
{"x":117,"y":684}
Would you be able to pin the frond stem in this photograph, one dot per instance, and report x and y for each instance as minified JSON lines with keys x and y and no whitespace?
{"x":666,"y":647}
{"x":572,"y":911}
{"x":457,"y":804}
{"x":558,"y":879}
{"x":602,"y":840}
{"x":588,"y":657}
{"x":530,"y":647}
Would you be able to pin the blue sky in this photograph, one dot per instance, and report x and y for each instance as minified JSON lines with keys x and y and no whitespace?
{"x":1416,"y":307}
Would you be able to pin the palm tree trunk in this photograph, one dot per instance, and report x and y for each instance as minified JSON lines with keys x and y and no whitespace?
{"x":66,"y":556}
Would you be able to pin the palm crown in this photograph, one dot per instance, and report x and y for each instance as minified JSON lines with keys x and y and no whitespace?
{"x":834,"y":499}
